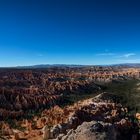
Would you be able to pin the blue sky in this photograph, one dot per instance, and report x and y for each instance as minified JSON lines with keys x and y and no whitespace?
{"x":69,"y":32}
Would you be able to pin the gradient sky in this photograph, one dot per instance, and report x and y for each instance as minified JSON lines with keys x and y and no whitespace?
{"x":69,"y":32}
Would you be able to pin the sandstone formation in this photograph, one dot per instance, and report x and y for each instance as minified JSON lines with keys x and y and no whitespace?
{"x":22,"y":90}
{"x":25,"y":91}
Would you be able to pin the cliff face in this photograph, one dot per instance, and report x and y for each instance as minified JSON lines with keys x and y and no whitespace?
{"x":22,"y":90}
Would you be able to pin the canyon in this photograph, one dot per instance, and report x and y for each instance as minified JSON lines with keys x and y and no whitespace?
{"x":47,"y":103}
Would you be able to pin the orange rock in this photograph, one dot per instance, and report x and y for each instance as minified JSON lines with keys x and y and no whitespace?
{"x":114,"y":113}
{"x":138,"y":116}
{"x":20,"y":135}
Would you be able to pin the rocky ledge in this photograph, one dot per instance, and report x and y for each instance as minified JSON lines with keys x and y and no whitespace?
{"x":97,"y":120}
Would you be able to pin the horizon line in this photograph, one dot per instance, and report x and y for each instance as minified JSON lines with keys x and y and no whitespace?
{"x":55,"y":65}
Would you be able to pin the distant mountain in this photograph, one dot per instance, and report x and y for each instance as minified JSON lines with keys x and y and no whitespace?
{"x":52,"y":66}
{"x":128,"y":65}
{"x":123,"y":65}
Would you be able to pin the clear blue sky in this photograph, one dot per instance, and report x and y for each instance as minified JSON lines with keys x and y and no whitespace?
{"x":69,"y":32}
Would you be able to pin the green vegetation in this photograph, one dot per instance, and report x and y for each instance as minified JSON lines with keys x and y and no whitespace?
{"x":128,"y":93}
{"x":70,"y":99}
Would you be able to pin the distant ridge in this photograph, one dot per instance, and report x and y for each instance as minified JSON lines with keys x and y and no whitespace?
{"x":125,"y":65}
{"x":134,"y":65}
{"x":52,"y":65}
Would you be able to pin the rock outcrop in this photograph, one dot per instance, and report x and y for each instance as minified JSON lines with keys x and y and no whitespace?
{"x":98,"y":120}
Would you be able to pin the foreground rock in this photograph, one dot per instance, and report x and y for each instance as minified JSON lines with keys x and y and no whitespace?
{"x":98,"y":120}
{"x":100,"y":131}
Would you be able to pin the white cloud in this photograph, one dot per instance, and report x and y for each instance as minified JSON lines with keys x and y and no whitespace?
{"x":128,"y":55}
